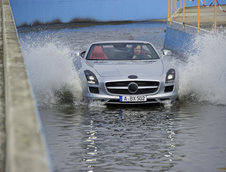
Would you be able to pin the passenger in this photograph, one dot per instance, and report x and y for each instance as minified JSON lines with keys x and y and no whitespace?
{"x":138,"y":52}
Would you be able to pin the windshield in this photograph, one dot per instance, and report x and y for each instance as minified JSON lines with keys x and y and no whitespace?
{"x":122,"y":51}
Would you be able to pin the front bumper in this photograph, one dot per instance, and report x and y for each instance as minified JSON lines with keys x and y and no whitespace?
{"x":161,"y":96}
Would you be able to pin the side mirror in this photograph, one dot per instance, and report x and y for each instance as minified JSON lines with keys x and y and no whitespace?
{"x":167,"y":52}
{"x":82,"y":54}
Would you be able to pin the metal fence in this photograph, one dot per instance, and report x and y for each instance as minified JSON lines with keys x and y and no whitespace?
{"x":215,"y":8}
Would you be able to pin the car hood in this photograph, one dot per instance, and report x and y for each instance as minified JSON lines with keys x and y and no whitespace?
{"x":140,"y":68}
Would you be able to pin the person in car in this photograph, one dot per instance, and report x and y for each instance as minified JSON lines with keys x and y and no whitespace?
{"x":138,"y":52}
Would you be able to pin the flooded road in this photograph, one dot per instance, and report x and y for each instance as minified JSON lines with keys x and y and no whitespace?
{"x":180,"y":138}
{"x":186,"y":136}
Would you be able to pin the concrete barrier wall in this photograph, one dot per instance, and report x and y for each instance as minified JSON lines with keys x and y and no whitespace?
{"x":2,"y":100}
{"x":180,"y":38}
{"x":25,"y":150}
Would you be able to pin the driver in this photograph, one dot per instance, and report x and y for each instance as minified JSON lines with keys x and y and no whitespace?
{"x":138,"y":53}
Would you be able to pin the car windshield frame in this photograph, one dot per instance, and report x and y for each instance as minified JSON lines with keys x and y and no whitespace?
{"x":121,"y":51}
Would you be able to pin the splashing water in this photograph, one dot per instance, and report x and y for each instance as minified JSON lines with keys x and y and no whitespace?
{"x":54,"y":79}
{"x":203,"y":77}
{"x":51,"y":72}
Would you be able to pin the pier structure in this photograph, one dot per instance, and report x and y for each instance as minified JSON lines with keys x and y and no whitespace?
{"x":203,"y":15}
{"x":185,"y":23}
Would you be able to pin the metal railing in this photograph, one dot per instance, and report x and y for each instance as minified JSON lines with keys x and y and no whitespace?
{"x":172,"y":8}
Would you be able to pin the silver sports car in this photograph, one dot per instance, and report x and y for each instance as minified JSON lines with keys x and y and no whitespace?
{"x":126,"y":72}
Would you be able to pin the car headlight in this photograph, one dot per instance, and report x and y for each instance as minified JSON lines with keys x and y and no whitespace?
{"x":170,"y":76}
{"x":91,"y":78}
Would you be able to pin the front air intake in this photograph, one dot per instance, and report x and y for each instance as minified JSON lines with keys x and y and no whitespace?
{"x":132,"y":87}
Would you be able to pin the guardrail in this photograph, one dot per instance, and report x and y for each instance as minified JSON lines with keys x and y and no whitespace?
{"x":200,"y":6}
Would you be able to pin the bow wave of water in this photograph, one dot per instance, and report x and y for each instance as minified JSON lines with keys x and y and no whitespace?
{"x":52,"y":74}
{"x":203,"y":75}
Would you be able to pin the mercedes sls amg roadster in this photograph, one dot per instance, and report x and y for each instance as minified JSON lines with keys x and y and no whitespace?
{"x":126,"y":72}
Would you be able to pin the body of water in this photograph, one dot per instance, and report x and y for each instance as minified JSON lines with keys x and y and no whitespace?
{"x":186,"y":136}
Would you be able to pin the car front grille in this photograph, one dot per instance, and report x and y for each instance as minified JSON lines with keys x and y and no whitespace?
{"x":141,"y":87}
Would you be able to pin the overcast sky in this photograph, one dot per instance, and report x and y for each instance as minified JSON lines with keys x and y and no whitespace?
{"x":28,"y":11}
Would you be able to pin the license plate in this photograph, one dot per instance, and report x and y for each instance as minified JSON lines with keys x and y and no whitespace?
{"x":133,"y":98}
